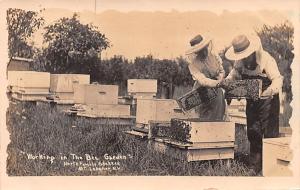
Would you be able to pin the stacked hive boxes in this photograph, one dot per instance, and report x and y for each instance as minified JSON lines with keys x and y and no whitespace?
{"x":237,"y":111}
{"x":142,"y":88}
{"x":158,"y":111}
{"x":62,"y":85}
{"x":148,"y":108}
{"x":100,"y":101}
{"x":138,"y":89}
{"x":277,"y":156}
{"x":29,"y":85}
{"x":192,"y":139}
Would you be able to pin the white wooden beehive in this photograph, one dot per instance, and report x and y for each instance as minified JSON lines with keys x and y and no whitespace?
{"x":277,"y":156}
{"x":12,"y":77}
{"x":105,"y":110}
{"x":29,"y":82}
{"x":33,"y":79}
{"x":65,"y":82}
{"x":158,"y":110}
{"x":148,"y":86}
{"x":209,"y":132}
{"x":194,"y":153}
{"x":197,"y":140}
{"x":95,"y":94}
{"x":79,"y":93}
{"x":30,"y":96}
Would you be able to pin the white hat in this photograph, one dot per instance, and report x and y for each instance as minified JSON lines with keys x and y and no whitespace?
{"x":198,"y":43}
{"x":242,"y":47}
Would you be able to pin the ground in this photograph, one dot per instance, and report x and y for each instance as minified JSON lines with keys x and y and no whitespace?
{"x":46,"y":142}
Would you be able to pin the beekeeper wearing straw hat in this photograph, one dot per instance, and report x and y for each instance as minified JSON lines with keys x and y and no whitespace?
{"x":252,"y":62}
{"x":207,"y":71}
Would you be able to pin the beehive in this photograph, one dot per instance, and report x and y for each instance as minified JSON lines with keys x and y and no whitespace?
{"x":160,"y":110}
{"x":277,"y":156}
{"x":12,"y":77}
{"x":29,"y":81}
{"x":196,"y":131}
{"x":142,"y":88}
{"x":193,"y":140}
{"x":79,"y":93}
{"x":106,"y":110}
{"x":95,"y":94}
{"x":189,"y":153}
{"x":33,"y":79}
{"x":30,"y":96}
{"x":63,"y":84}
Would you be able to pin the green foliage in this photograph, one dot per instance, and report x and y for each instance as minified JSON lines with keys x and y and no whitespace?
{"x":114,"y":70}
{"x":165,"y":70}
{"x":72,"y":47}
{"x":21,"y":25}
{"x":117,"y":70}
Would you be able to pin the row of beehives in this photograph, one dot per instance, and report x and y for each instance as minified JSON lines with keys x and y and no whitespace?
{"x":38,"y":86}
{"x":89,"y":99}
{"x":185,"y":137}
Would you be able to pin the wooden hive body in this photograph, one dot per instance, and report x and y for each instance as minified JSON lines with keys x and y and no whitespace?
{"x":105,"y":110}
{"x":63,"y":84}
{"x":277,"y":156}
{"x":142,"y":86}
{"x":95,"y":94}
{"x":160,"y":110}
{"x":194,"y":140}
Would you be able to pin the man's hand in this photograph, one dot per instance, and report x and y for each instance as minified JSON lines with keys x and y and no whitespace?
{"x":224,"y":84}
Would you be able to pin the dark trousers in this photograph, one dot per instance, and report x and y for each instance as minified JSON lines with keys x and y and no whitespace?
{"x":262,"y":121}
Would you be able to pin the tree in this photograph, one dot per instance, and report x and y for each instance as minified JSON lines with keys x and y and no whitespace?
{"x":21,"y":25}
{"x":72,"y":47}
{"x":183,"y":76}
{"x":142,"y":68}
{"x":115,"y":70}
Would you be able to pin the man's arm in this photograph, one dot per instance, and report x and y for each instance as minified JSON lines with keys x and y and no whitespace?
{"x":274,"y":75}
{"x":201,"y":78}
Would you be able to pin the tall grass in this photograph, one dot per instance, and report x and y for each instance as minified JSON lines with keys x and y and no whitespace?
{"x":42,"y":129}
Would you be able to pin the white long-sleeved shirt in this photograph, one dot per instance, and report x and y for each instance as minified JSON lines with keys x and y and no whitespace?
{"x":208,"y":72}
{"x":266,"y":67}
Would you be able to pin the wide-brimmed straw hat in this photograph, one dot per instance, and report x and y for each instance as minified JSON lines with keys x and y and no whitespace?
{"x":198,"y":43}
{"x":241,"y":47}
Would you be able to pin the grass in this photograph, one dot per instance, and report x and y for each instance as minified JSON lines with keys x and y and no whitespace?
{"x":42,"y":129}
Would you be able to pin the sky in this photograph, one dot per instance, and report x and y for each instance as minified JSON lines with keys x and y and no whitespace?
{"x":153,"y":5}
{"x":162,"y":28}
